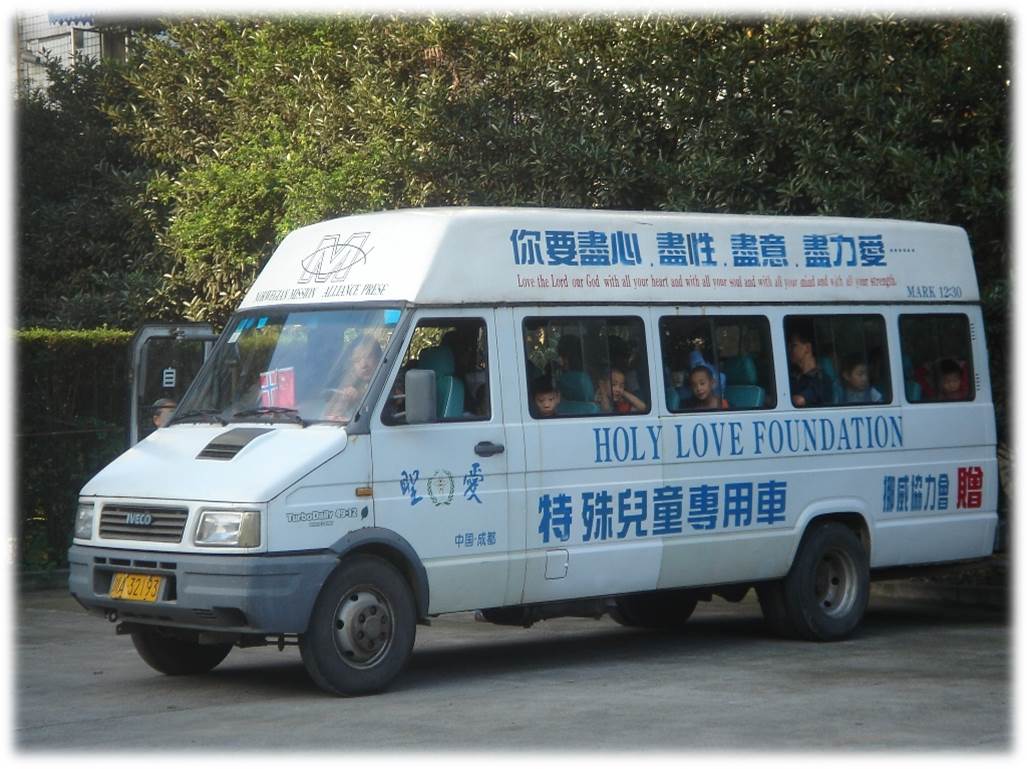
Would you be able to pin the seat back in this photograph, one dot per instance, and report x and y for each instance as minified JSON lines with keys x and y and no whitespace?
{"x":449,"y":390}
{"x":744,"y":396}
{"x":740,"y":370}
{"x":449,"y":397}
{"x":577,"y":407}
{"x":576,"y":386}
{"x":673,"y":399}
{"x":914,"y":392}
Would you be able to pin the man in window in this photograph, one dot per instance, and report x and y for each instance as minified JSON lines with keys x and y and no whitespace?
{"x":809,"y":385}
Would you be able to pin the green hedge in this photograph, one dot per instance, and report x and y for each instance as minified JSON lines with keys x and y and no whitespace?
{"x":73,"y":416}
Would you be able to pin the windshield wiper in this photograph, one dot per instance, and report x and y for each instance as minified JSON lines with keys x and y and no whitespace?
{"x":271,"y":410}
{"x":200,"y":415}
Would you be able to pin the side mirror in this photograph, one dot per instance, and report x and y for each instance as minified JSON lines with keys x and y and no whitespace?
{"x":420,"y":396}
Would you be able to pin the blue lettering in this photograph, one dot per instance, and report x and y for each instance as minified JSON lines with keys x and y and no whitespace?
{"x":896,"y":426}
{"x":621,"y":444}
{"x":759,"y":431}
{"x":654,"y":436}
{"x":635,"y":456}
{"x":858,"y":425}
{"x":826,"y":443}
{"x":777,"y":437}
{"x":790,"y":433}
{"x":736,"y":439}
{"x":881,"y":428}
{"x":700,"y":430}
{"x":682,"y":452}
{"x":602,"y":436}
{"x":810,"y":433}
{"x":843,"y":436}
{"x":717,"y":428}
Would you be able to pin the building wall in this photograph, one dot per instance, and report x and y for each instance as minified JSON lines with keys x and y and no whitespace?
{"x":37,"y":37}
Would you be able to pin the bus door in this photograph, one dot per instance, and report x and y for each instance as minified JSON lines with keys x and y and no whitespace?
{"x":165,"y":360}
{"x":443,"y":484}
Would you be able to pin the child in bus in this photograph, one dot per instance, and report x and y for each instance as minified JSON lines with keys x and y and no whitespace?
{"x":810,"y":387}
{"x":704,"y":390}
{"x":618,"y":399}
{"x":950,"y":381}
{"x":546,"y":397}
{"x":856,"y":376}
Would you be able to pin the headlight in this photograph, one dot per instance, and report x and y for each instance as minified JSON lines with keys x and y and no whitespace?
{"x":84,"y":520}
{"x":229,"y":528}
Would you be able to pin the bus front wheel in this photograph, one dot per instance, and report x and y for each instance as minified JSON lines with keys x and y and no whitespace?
{"x":362,"y":628}
{"x":824,"y":595}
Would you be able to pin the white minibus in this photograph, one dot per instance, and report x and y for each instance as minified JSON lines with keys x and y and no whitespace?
{"x":533,"y":413}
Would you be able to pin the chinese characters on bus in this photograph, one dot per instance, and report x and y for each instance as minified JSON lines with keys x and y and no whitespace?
{"x":916,"y":493}
{"x":594,"y":248}
{"x":472,"y":539}
{"x":640,"y":512}
{"x":473,"y":480}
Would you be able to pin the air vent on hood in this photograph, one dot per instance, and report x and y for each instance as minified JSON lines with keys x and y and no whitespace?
{"x":230,"y":443}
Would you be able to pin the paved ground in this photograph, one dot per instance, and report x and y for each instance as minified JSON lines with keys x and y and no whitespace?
{"x":916,"y":677}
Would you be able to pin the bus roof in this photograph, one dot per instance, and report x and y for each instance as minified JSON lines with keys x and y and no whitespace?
{"x":453,"y":256}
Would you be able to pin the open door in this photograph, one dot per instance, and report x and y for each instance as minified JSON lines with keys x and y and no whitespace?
{"x":165,"y":360}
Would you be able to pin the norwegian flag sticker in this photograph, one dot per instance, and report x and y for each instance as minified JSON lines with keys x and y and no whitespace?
{"x":278,"y":388}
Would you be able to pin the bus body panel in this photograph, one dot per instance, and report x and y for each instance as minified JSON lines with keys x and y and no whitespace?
{"x":509,"y":508}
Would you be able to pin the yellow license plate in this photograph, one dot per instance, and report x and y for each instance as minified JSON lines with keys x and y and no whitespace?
{"x":136,"y":587}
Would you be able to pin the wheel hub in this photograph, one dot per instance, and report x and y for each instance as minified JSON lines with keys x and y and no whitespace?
{"x":363,"y":627}
{"x":835,"y":583}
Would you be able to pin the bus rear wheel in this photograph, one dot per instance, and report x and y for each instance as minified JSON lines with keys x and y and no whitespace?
{"x":362,"y":628}
{"x":824,"y":595}
{"x":663,"y":610}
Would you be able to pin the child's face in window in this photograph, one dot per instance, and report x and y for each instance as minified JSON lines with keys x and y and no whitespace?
{"x":546,"y":403}
{"x":951,"y":384}
{"x":617,"y":384}
{"x":701,"y":383}
{"x":857,"y":378}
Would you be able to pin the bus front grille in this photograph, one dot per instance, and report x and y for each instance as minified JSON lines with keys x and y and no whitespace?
{"x":143,"y":522}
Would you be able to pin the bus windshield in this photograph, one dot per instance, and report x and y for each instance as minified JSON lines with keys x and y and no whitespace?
{"x":304,"y":366}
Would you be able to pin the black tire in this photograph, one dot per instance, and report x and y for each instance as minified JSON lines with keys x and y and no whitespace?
{"x":663,"y":610}
{"x":824,"y":595}
{"x":175,"y":656}
{"x":362,"y":628}
{"x":771,"y":597}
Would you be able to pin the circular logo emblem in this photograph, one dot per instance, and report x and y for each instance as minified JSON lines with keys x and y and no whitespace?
{"x":441,"y":488}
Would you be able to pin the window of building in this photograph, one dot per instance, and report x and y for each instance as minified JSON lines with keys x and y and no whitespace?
{"x":937,"y":363}
{"x":837,"y":360}
{"x":579,"y":366}
{"x":717,"y":362}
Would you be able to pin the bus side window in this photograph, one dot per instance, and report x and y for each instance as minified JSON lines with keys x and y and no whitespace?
{"x":837,"y":360}
{"x":580,"y":366}
{"x":456,"y":350}
{"x":937,"y":363}
{"x":717,"y":362}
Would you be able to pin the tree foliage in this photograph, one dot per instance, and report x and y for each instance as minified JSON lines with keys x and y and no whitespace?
{"x":262,"y":125}
{"x":86,"y":247}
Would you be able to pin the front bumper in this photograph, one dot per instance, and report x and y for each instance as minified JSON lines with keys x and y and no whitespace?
{"x":260,"y":594}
